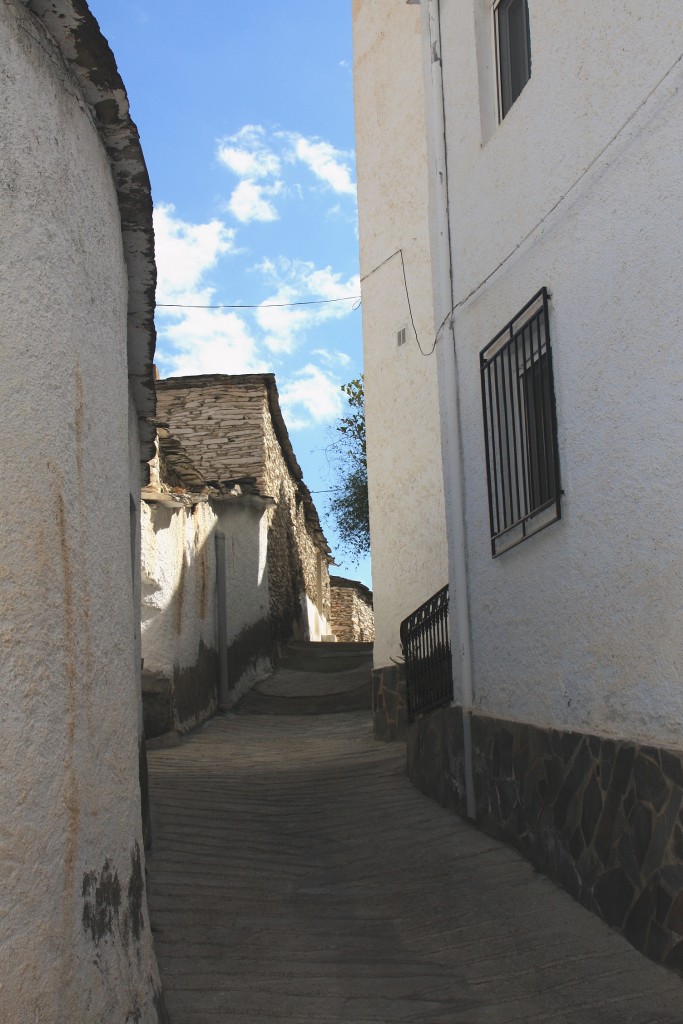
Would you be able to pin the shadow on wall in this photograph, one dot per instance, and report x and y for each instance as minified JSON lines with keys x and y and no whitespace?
{"x":180,"y":678}
{"x":286,"y":581}
{"x":250,"y":645}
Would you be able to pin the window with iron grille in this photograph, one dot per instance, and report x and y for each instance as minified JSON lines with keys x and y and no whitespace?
{"x":513,"y":49}
{"x":520,"y":427}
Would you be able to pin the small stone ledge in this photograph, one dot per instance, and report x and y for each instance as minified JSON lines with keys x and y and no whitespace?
{"x":389,"y":717}
{"x":602,"y":817}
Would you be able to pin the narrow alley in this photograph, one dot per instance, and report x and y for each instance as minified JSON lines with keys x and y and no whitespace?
{"x":297,"y":875}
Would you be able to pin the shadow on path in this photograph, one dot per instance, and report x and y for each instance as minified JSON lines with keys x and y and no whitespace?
{"x":297,"y":876}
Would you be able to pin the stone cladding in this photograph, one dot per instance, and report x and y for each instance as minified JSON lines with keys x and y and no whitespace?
{"x":389,"y":712}
{"x":352,"y":615}
{"x":602,"y":817}
{"x":232,"y":431}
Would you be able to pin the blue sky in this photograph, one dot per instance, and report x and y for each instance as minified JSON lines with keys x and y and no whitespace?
{"x":245,"y":113}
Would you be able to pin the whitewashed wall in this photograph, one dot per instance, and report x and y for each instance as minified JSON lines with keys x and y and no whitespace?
{"x":75,"y":942}
{"x":579,"y":627}
{"x":408,"y":539}
{"x":178,"y":584}
{"x":245,"y":528}
{"x":179,"y":611}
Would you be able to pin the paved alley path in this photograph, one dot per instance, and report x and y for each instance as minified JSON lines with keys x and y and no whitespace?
{"x":297,"y":876}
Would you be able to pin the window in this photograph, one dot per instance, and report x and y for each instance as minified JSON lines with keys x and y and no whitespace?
{"x":520,"y":428}
{"x":513,"y":48}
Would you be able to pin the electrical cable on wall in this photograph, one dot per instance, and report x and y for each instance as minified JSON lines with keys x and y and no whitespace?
{"x":537,"y":225}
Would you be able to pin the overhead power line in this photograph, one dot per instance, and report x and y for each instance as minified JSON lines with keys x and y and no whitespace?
{"x":257,"y":305}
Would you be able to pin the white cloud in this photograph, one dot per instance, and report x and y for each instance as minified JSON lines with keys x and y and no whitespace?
{"x":193,"y":340}
{"x":197,"y":340}
{"x":209,"y":341}
{"x":297,"y":281}
{"x":248,"y":202}
{"x":247,"y":155}
{"x":331,"y":358}
{"x":185,"y":252}
{"x":328,"y":164}
{"x":311,"y":398}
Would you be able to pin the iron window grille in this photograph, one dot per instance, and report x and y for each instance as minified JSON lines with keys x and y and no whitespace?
{"x":513,"y":50}
{"x":520,"y":428}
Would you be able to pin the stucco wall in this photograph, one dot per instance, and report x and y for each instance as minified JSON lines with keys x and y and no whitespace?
{"x":179,"y":610}
{"x":407,"y":528}
{"x":74,"y":931}
{"x":245,"y":527}
{"x":580,"y":626}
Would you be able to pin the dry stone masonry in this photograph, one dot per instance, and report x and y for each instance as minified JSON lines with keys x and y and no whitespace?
{"x":352,"y":615}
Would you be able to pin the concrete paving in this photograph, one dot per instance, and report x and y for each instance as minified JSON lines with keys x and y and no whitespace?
{"x":297,"y":875}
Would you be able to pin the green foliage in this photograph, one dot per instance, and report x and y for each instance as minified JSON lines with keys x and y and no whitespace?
{"x":349,"y":506}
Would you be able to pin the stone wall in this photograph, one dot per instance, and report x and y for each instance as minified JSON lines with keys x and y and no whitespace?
{"x":600,"y":816}
{"x":389,"y":713}
{"x":352,"y":613}
{"x":231,"y":430}
{"x":298,"y":573}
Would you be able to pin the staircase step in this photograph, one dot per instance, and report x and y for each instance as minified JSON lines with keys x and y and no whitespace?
{"x":330,"y":650}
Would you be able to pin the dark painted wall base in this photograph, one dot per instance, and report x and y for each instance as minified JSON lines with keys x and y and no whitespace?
{"x":187,"y":700}
{"x":602,"y":817}
{"x":252,"y":645}
{"x":389,"y":718}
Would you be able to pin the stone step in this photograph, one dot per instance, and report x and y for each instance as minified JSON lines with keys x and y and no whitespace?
{"x":308,"y":656}
{"x":323,"y":649}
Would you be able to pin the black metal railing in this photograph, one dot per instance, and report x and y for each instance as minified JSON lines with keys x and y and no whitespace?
{"x":426,"y":645}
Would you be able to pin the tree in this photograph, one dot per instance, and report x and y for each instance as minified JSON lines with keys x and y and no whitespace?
{"x":349,"y":506}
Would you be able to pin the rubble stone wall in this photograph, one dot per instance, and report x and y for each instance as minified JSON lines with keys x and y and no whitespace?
{"x":602,"y":817}
{"x":352,"y":614}
{"x":298,"y":574}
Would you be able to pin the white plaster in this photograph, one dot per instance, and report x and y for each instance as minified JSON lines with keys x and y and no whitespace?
{"x":409,"y":560}
{"x":579,"y":627}
{"x":69,"y":794}
{"x":178,"y":566}
{"x":246,"y":543}
{"x":179,"y":607}
{"x":318,"y":624}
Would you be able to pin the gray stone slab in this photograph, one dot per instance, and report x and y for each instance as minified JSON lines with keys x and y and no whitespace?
{"x":297,"y":875}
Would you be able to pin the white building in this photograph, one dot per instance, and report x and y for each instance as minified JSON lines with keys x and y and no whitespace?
{"x":556,"y":219}
{"x":407,"y":525}
{"x":76,"y":392}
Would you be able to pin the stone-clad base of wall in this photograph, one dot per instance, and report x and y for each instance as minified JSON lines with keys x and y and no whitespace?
{"x":602,"y":817}
{"x":389,"y":717}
